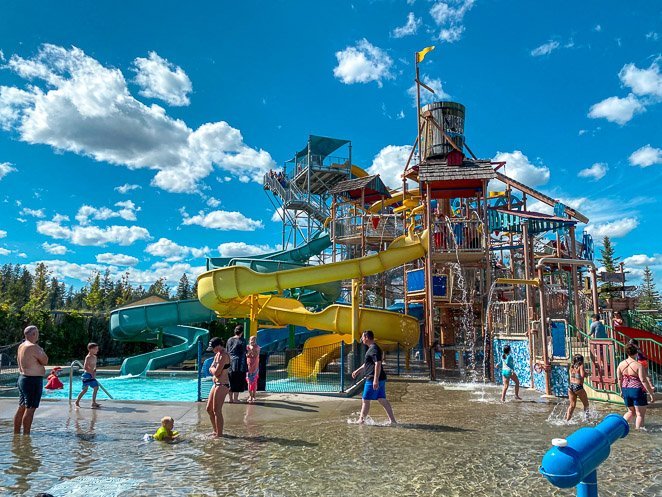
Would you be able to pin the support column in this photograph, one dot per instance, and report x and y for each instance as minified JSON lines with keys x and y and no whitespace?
{"x":356,"y":286}
{"x":527,"y":288}
{"x":253,"y":316}
{"x":544,"y":328}
{"x":575,"y":280}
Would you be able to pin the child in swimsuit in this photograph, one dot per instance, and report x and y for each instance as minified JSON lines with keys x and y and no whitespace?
{"x":54,"y":382}
{"x":508,"y":373}
{"x":166,"y":433}
{"x":253,"y":362}
{"x":89,"y":375}
{"x":576,"y":386}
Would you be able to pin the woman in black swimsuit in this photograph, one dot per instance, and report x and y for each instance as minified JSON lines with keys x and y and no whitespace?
{"x":219,"y":370}
{"x":576,"y":387}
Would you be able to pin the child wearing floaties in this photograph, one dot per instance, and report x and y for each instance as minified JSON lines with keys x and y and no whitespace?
{"x":165,"y":433}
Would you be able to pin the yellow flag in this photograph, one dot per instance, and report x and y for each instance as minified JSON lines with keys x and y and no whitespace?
{"x":421,"y":55}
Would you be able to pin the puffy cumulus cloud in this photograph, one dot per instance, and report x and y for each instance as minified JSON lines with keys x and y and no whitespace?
{"x":3,"y":233}
{"x":117,"y":259}
{"x":363,"y":63}
{"x":448,"y":15}
{"x":222,"y":220}
{"x":172,"y":251}
{"x":646,"y":156}
{"x":126,"y":188}
{"x":520,"y":169}
{"x":127,"y":211}
{"x":409,"y":28}
{"x":596,"y":171}
{"x":426,"y":96}
{"x":643,"y":82}
{"x":93,"y":235}
{"x":545,"y":48}
{"x":54,"y":248}
{"x":389,"y":163}
{"x":38,"y":213}
{"x":615,"y":229}
{"x":4,"y":251}
{"x":23,"y":255}
{"x":74,"y":103}
{"x":616,"y":110}
{"x":242,"y":249}
{"x":6,"y":168}
{"x":642,"y":260}
{"x":171,"y":273}
{"x":161,"y":79}
{"x":213,"y":202}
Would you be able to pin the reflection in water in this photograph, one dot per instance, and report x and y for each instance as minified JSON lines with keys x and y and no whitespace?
{"x":26,"y":462}
{"x":445,"y":445}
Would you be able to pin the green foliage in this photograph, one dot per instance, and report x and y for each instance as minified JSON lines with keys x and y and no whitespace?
{"x":160,"y":288}
{"x":184,"y":288}
{"x":609,"y":262}
{"x":649,"y":297}
{"x":94,"y":297}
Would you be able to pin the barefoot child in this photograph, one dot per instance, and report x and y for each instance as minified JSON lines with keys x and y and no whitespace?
{"x":576,"y":387}
{"x":89,"y":375}
{"x":166,"y":433}
{"x":508,"y":373}
{"x":253,"y":362}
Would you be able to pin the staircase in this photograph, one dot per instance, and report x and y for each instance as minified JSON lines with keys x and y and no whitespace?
{"x":295,"y":199}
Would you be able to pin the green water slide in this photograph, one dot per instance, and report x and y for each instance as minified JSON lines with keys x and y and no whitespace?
{"x":166,"y":325}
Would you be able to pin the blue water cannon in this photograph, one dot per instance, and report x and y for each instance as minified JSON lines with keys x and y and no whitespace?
{"x":574,"y":461}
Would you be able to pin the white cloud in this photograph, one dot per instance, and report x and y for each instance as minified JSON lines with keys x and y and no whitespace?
{"x":3,"y":233}
{"x":93,"y":235}
{"x":125,"y":188}
{"x":520,"y":169}
{"x":615,"y":229}
{"x":646,"y":156}
{"x":448,"y":15}
{"x":643,"y":82}
{"x":389,"y":163}
{"x":241,"y":249}
{"x":5,"y":167}
{"x":597,"y":28}
{"x":23,"y":255}
{"x":213,"y":202}
{"x":641,"y":260}
{"x":161,"y":79}
{"x":363,"y":63}
{"x":223,"y":220}
{"x":545,"y":48}
{"x":117,"y":259}
{"x":127,"y":212}
{"x":172,"y":251}
{"x":426,"y":96}
{"x":616,"y":110}
{"x":596,"y":171}
{"x":39,"y":213}
{"x":60,"y":218}
{"x":82,"y":272}
{"x":74,"y":103}
{"x":54,"y":248}
{"x":4,"y":251}
{"x":410,"y":27}
{"x":276,"y":217}
{"x":652,"y":35}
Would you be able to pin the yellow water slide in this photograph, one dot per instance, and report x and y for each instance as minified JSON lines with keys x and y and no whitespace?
{"x":237,"y":292}
{"x":396,"y":198}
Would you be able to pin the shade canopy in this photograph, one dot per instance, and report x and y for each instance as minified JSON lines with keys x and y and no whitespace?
{"x":320,"y":145}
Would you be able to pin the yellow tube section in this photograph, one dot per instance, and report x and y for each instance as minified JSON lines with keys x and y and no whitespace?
{"x":395,"y":199}
{"x":514,"y":281}
{"x":312,"y":360}
{"x":234,"y":282}
{"x":358,"y":172}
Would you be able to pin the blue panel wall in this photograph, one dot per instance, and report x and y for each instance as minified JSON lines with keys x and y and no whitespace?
{"x":520,"y":353}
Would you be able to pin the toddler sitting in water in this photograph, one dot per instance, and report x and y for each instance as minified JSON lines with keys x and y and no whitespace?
{"x":166,"y":433}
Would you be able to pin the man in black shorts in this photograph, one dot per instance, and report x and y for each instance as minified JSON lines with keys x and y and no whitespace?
{"x":375,"y":378}
{"x":31,"y":365}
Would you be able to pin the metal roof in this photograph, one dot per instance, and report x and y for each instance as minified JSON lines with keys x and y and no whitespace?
{"x":373,"y":187}
{"x":320,"y":145}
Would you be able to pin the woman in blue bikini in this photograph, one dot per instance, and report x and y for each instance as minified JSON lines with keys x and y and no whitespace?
{"x":508,"y":373}
{"x":576,"y":386}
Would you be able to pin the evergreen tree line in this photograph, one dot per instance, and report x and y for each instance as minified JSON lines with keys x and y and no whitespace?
{"x":69,"y":318}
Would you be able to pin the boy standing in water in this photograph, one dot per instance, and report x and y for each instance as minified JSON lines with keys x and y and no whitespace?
{"x":89,"y":375}
{"x":375,"y":378}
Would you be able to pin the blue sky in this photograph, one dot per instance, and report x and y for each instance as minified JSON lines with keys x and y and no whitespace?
{"x":135,"y":138}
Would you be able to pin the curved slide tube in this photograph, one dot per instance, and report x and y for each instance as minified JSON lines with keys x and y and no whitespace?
{"x":143,"y":323}
{"x":313,"y":359}
{"x":227,"y":290}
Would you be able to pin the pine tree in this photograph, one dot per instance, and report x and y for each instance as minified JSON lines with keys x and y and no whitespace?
{"x":649,"y":297}
{"x":124,"y":291}
{"x":38,"y":301}
{"x":160,"y":288}
{"x":94,"y":297}
{"x":609,"y":262}
{"x":183,"y":288}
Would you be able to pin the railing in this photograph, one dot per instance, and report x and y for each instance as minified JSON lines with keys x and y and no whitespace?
{"x":321,"y":162}
{"x":650,"y":348}
{"x":79,"y":365}
{"x":601,"y":358}
{"x":290,"y":192}
{"x":465,"y":235}
{"x":509,"y":318}
{"x":387,"y":226}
